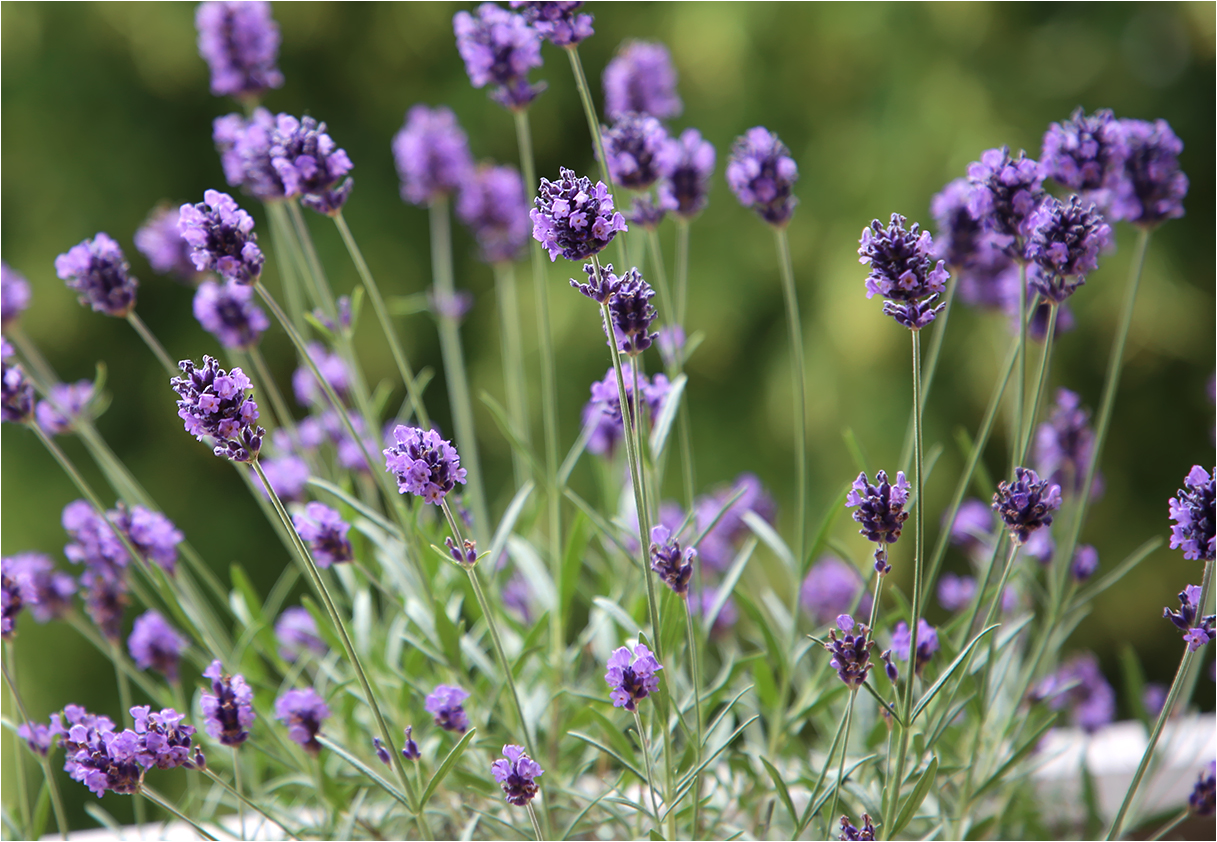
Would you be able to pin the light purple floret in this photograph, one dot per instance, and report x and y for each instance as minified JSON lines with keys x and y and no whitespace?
{"x":723,"y":524}
{"x":831,"y":588}
{"x":641,"y":79}
{"x":310,"y":165}
{"x":288,"y":476}
{"x":67,"y":402}
{"x":1085,"y":153}
{"x":499,"y":48}
{"x":332,"y":368}
{"x":557,"y":22}
{"x":927,"y":642}
{"x":1091,"y":701}
{"x":603,"y":410}
{"x":244,"y":147}
{"x":222,"y":238}
{"x":1194,"y":529}
{"x":1064,"y":443}
{"x":98,"y":272}
{"x":517,"y":775}
{"x":432,"y":156}
{"x":445,"y":704}
{"x":955,"y":592}
{"x":296,"y":632}
{"x":303,"y":712}
{"x":634,"y":146}
{"x":229,"y":314}
{"x":228,"y":709}
{"x":325,"y":532}
{"x":493,"y":205}
{"x":1151,"y":188}
{"x":156,"y":644}
{"x":762,"y":174}
{"x":17,"y":401}
{"x":686,"y":164}
{"x":46,"y":591}
{"x":631,"y":676}
{"x":573,"y":218}
{"x":160,"y":241}
{"x":240,"y":43}
{"x":151,"y":533}
{"x":14,"y":294}
{"x":164,"y":742}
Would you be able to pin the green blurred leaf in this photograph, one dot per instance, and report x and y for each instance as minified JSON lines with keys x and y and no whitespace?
{"x":445,"y":767}
{"x":920,"y":791}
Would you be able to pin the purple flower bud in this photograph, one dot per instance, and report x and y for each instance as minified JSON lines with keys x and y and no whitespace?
{"x":221,"y":238}
{"x":600,"y":286}
{"x":686,"y":164}
{"x":903,"y":271}
{"x":453,"y":305}
{"x":44,"y":590}
{"x":634,"y":146}
{"x":57,"y":414}
{"x":310,"y":164}
{"x":973,"y":526}
{"x":1026,"y":504}
{"x":1005,"y":193}
{"x":1202,"y":801}
{"x":240,"y":43}
{"x":154,"y":643}
{"x":893,"y":673}
{"x":1085,"y":563}
{"x":410,"y":749}
{"x":1192,"y":511}
{"x":423,"y":463}
{"x":1197,"y":629}
{"x":1085,"y":153}
{"x":160,"y":241}
{"x":832,"y":587}
{"x":499,"y":49}
{"x":381,"y":751}
{"x":296,"y":632}
{"x":1151,"y":188}
{"x":631,"y":676}
{"x":465,"y":555}
{"x":17,"y":398}
{"x":517,"y":775}
{"x":632,"y":312}
{"x":432,"y":155}
{"x":673,"y":564}
{"x":1064,"y":444}
{"x":98,"y":272}
{"x":927,"y":642}
{"x":303,"y":712}
{"x":244,"y":147}
{"x":214,"y":404}
{"x":228,"y":709}
{"x":445,"y":704}
{"x":850,"y":832}
{"x":15,"y":590}
{"x":762,"y":174}
{"x":573,"y":218}
{"x":493,"y":205}
{"x":1154,"y":699}
{"x":557,"y":22}
{"x":325,"y":532}
{"x":851,"y":653}
{"x":641,"y":79}
{"x":14,"y":295}
{"x":41,"y":738}
{"x":228,"y":313}
{"x":1064,"y":241}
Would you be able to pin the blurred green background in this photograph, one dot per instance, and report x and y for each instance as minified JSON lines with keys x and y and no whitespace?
{"x":106,"y":112}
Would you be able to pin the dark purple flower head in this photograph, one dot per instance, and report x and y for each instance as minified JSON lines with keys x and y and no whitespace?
{"x":1026,"y":504}
{"x":1064,"y":443}
{"x":645,"y":212}
{"x":634,"y":147}
{"x":423,"y":463}
{"x":14,"y":294}
{"x":493,"y":205}
{"x":722,"y":520}
{"x":1085,"y":563}
{"x":499,"y":48}
{"x":1006,"y":191}
{"x":641,"y":79}
{"x":673,"y":564}
{"x":574,"y":219}
{"x":409,"y":749}
{"x":240,"y":43}
{"x":296,"y":632}
{"x":1197,"y":629}
{"x":221,"y":238}
{"x":244,"y":147}
{"x":228,"y":708}
{"x":686,"y":164}
{"x":853,"y":834}
{"x":382,"y":753}
{"x":1064,"y":241}
{"x":310,"y":164}
{"x":903,"y":270}
{"x":1203,"y":799}
{"x":600,"y":286}
{"x":1079,"y":685}
{"x":631,"y":676}
{"x":213,"y":403}
{"x":45,"y":591}
{"x":832,"y":588}
{"x":1085,"y":153}
{"x":332,"y":368}
{"x":851,"y":653}
{"x":97,"y":270}
{"x":302,"y":711}
{"x":160,"y":241}
{"x":927,"y":642}
{"x":152,"y":534}
{"x":57,"y":414}
{"x":603,"y":410}
{"x":762,"y":174}
{"x":1192,"y":512}
{"x":325,"y":532}
{"x":446,"y":705}
{"x":880,"y":511}
{"x":164,"y":742}
{"x":154,"y":643}
{"x":228,"y":313}
{"x":517,"y":775}
{"x":432,"y":155}
{"x":17,"y":398}
{"x":632,"y":312}
{"x":1151,"y":188}
{"x":100,"y":758}
{"x":556,"y":22}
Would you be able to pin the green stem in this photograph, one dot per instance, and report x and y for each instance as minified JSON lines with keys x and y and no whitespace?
{"x":236,"y":780}
{"x":513,"y":362}
{"x":158,"y":350}
{"x":695,"y":670}
{"x":646,"y":757}
{"x":1040,"y":381}
{"x":282,"y":411}
{"x":815,"y":792}
{"x":931,"y":366}
{"x":236,"y":793}
{"x":1174,"y":823}
{"x":1020,"y":390}
{"x":289,"y":280}
{"x":160,"y":801}
{"x":61,"y":821}
{"x":849,"y":717}
{"x":682,"y":268}
{"x":536,"y":826}
{"x":322,"y":294}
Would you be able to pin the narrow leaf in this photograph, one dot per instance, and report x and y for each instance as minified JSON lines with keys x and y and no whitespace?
{"x":358,"y":505}
{"x":503,"y":421}
{"x":727,"y":585}
{"x":662,"y":425}
{"x":446,"y":767}
{"x":920,"y":791}
{"x":508,"y":521}
{"x":942,"y":679}
{"x":766,"y":533}
{"x":366,"y":769}
{"x":592,"y":741}
{"x":606,"y":529}
{"x":783,"y":792}
{"x":628,"y":624}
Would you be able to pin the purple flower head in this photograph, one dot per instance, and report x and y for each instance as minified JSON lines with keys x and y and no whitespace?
{"x":632,"y":312}
{"x":641,"y":79}
{"x":423,"y":463}
{"x":244,"y":147}
{"x":1085,"y":563}
{"x":1197,"y":629}
{"x":673,"y":564}
{"x":453,"y":305}
{"x":493,"y":205}
{"x":499,"y":49}
{"x":97,"y":270}
{"x":722,"y":521}
{"x":16,"y":591}
{"x":214,"y":403}
{"x":152,"y":534}
{"x":302,"y":711}
{"x":57,"y":414}
{"x":1040,"y":546}
{"x":961,"y":238}
{"x":14,"y":295}
{"x":310,"y":164}
{"x":1006,"y":191}
{"x":44,"y":590}
{"x":600,"y":286}
{"x":556,"y":22}
{"x":903,"y":271}
{"x":154,"y":643}
{"x":603,"y":410}
{"x":686,"y":164}
{"x":1064,"y":443}
{"x":164,"y":742}
{"x":646,"y":213}
{"x":517,"y":775}
{"x":409,"y":749}
{"x":288,"y":476}
{"x":296,"y":632}
{"x":1026,"y":504}
{"x":160,"y":241}
{"x":100,"y":758}
{"x":1151,"y":188}
{"x":574,"y":219}
{"x":631,"y":675}
{"x":1192,"y":512}
{"x":41,"y":738}
{"x":1064,"y":241}
{"x":762,"y":174}
{"x":94,"y":542}
{"x":1202,"y":801}
{"x":700,"y":602}
{"x":332,"y":368}
{"x":851,"y":653}
{"x":325,"y":532}
{"x":17,"y":398}
{"x":445,"y":704}
{"x":1079,"y":685}
{"x":1085,"y":153}
{"x":973,"y":526}
{"x":852,"y":833}
{"x":880,"y":511}
{"x":221,"y":238}
{"x":240,"y":43}
{"x":955,"y":592}
{"x":927,"y":642}
{"x":228,"y":708}
{"x":634,"y":147}
{"x":832,"y":588}
{"x":432,"y":155}
{"x":228,"y":313}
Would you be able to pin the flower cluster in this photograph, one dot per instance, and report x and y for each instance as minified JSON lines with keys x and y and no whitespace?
{"x":557,"y":22}
{"x":98,"y":548}
{"x":244,"y":147}
{"x":493,"y":205}
{"x":310,"y":165}
{"x":17,"y":395}
{"x":65,"y":403}
{"x":603,"y":411}
{"x":640,"y":79}
{"x":14,"y":295}
{"x":156,"y":644}
{"x":240,"y":42}
{"x":97,"y":270}
{"x":673,"y":564}
{"x":880,"y":511}
{"x":152,"y":534}
{"x":1151,"y":188}
{"x":1203,"y":798}
{"x":1085,"y":153}
{"x":1064,"y":444}
{"x":574,"y":219}
{"x":631,"y":676}
{"x":1064,"y":242}
{"x":1195,"y":529}
{"x":221,"y":238}
{"x":213,"y":403}
{"x":517,"y":775}
{"x":851,"y":653}
{"x":297,"y":633}
{"x":160,"y":241}
{"x":332,"y":368}
{"x":988,"y":277}
{"x":446,"y":704}
{"x":1197,"y":629}
{"x":45,"y":591}
{"x":228,"y":313}
{"x":228,"y":708}
{"x":686,"y":164}
{"x":903,"y":271}
{"x":432,"y":155}
{"x":499,"y":48}
{"x":108,"y":761}
{"x":423,"y":463}
{"x":631,"y":311}
{"x":1079,"y":685}
{"x":302,"y":711}
{"x":1026,"y":504}
{"x":927,"y":643}
{"x":1006,"y":192}
{"x":325,"y":532}
{"x":164,"y":742}
{"x":719,"y":517}
{"x":762,"y":174}
{"x":832,"y":587}
{"x":633,"y":147}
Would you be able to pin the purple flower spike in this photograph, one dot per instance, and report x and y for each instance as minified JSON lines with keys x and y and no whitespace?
{"x":646,"y":213}
{"x":1091,"y":700}
{"x":325,"y":532}
{"x":632,"y":312}
{"x":214,"y":404}
{"x":673,"y":564}
{"x":634,"y":147}
{"x":432,"y":155}
{"x":1197,"y":629}
{"x":1151,"y":188}
{"x":16,"y":592}
{"x":850,"y":653}
{"x":1026,"y":504}
{"x":1064,"y":242}
{"x":152,"y":534}
{"x":14,"y":295}
{"x":600,"y":287}
{"x":58,"y":413}
{"x":17,"y":398}
{"x":852,"y":833}
{"x":880,"y":511}
{"x":1085,"y":153}
{"x":927,"y":642}
{"x":409,"y":749}
{"x":832,"y":587}
{"x":240,"y":43}
{"x":98,"y":272}
{"x":297,"y":633}
{"x":603,"y":410}
{"x":1006,"y":191}
{"x":631,"y":676}
{"x":221,"y":238}
{"x":1085,"y":563}
{"x":303,"y":712}
{"x":493,"y":205}
{"x":1064,"y":444}
{"x":332,"y":368}
{"x":1202,"y":801}
{"x":517,"y":775}
{"x":288,"y":476}
{"x":382,"y":753}
{"x":641,"y":79}
{"x":45,"y":591}
{"x":423,"y":463}
{"x":574,"y":219}
{"x":228,"y":709}
{"x":724,"y":524}
{"x":310,"y":164}
{"x":160,"y":241}
{"x":41,"y":738}
{"x":903,"y":270}
{"x":244,"y":147}
{"x":99,"y":758}
{"x":154,"y":643}
{"x":686,"y":164}
{"x":556,"y":22}
{"x":445,"y":704}
{"x":228,"y":313}
{"x":164,"y":742}
{"x":1192,"y":511}
{"x":762,"y":174}
{"x":499,"y":49}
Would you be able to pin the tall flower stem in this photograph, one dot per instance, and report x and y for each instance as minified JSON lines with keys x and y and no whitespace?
{"x":832,"y":750}
{"x":695,"y":674}
{"x":1041,"y":380}
{"x":289,"y":280}
{"x":646,"y":756}
{"x":154,"y":344}
{"x":162,"y":802}
{"x":236,"y":782}
{"x":1185,"y":663}
{"x":267,"y":381}
{"x":536,"y":825}
{"x":1020,"y":390}
{"x":682,"y":268}
{"x":61,"y":821}
{"x":931,"y":366}
{"x":513,"y":362}
{"x":849,"y":718}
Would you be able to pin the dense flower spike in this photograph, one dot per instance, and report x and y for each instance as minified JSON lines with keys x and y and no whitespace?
{"x":557,"y":22}
{"x":16,"y":392}
{"x":432,"y":156}
{"x":1192,"y":512}
{"x":221,"y":238}
{"x":228,"y":708}
{"x":240,"y":43}
{"x":634,"y":147}
{"x":646,"y":213}
{"x":927,"y":642}
{"x":631,"y":676}
{"x":156,"y":644}
{"x":14,"y":295}
{"x":988,"y":278}
{"x":574,"y":219}
{"x":1064,"y":444}
{"x":1085,"y":563}
{"x":1085,"y":153}
{"x":332,"y":368}
{"x":229,"y":314}
{"x":973,"y":526}
{"x":409,"y":749}
{"x":499,"y":49}
{"x":1091,"y":700}
{"x":603,"y":411}
{"x":854,"y":834}
{"x":722,"y":521}
{"x":164,"y":742}
{"x":325,"y":532}
{"x":493,"y":205}
{"x":686,"y":164}
{"x":632,"y":312}
{"x":42,"y":738}
{"x":600,"y":286}
{"x":152,"y":534}
{"x":159,"y":240}
{"x":850,"y":654}
{"x":673,"y":564}
{"x":954,"y":592}
{"x":1026,"y":504}
{"x":832,"y":588}
{"x":903,"y":271}
{"x":98,"y":757}
{"x":303,"y":712}
{"x":47,"y":591}
{"x":1197,"y":629}
{"x":66,"y":402}
{"x":1202,"y":800}
{"x":445,"y":703}
{"x":15,"y":592}
{"x":423,"y":463}
{"x":762,"y":174}
{"x":288,"y":476}
{"x":641,"y":79}
{"x":310,"y":164}
{"x":1064,"y":241}
{"x":517,"y":775}
{"x":98,"y":548}
{"x":1006,"y":191}
{"x":1151,"y":188}
{"x":244,"y":147}
{"x":97,"y":270}
{"x":880,"y":511}
{"x":296,"y":631}
{"x":214,"y":404}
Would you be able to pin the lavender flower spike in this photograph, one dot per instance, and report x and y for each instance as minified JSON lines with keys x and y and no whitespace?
{"x":634,"y":146}
{"x":423,"y":463}
{"x":850,"y":654}
{"x":17,"y":397}
{"x":493,"y":205}
{"x":499,"y":49}
{"x":221,"y":238}
{"x":1026,"y":504}
{"x":1203,"y":799}
{"x":1197,"y":629}
{"x":686,"y":164}
{"x":445,"y":704}
{"x":927,"y":643}
{"x":228,"y":709}
{"x":214,"y":404}
{"x":325,"y":532}
{"x":164,"y":742}
{"x":240,"y":42}
{"x":574,"y":219}
{"x":1085,"y":153}
{"x":47,"y":592}
{"x":517,"y":775}
{"x":228,"y":313}
{"x":632,"y":313}
{"x":432,"y":155}
{"x":880,"y":511}
{"x":631,"y":676}
{"x":641,"y":79}
{"x":14,"y":295}
{"x":1151,"y":188}
{"x":903,"y":270}
{"x":15,"y":591}
{"x":155,"y":643}
{"x":302,"y":711}
{"x":557,"y":22}
{"x":98,"y":272}
{"x":152,"y":534}
{"x":1064,"y":444}
{"x":762,"y":174}
{"x":600,"y":286}
{"x":673,"y":564}
{"x":1064,"y":242}
{"x":1195,"y":529}
{"x":244,"y":147}
{"x":296,"y":632}
{"x":1005,"y":193}
{"x":310,"y":164}
{"x":409,"y":749}
{"x":160,"y":241}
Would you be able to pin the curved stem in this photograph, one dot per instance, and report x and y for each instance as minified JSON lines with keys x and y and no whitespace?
{"x":815,"y":792}
{"x":236,"y":781}
{"x":1040,"y":381}
{"x":536,"y":826}
{"x":282,"y":411}
{"x":1020,"y":390}
{"x":158,"y":350}
{"x":1174,"y":823}
{"x":160,"y":801}
{"x":252,"y":805}
{"x":513,"y":363}
{"x":849,"y":718}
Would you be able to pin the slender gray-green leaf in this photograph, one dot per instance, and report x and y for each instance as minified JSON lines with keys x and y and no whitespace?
{"x":880,"y":700}
{"x":783,"y":792}
{"x":592,"y":741}
{"x":948,"y":672}
{"x":1026,"y":748}
{"x":508,"y":521}
{"x":628,"y":624}
{"x":503,"y":421}
{"x":722,"y":713}
{"x":662,"y":425}
{"x":766,"y":533}
{"x":572,"y":458}
{"x":814,"y":807}
{"x":920,"y":791}
{"x":366,"y":769}
{"x":727,"y":585}
{"x":700,"y":766}
{"x":446,"y":767}
{"x":606,"y":529}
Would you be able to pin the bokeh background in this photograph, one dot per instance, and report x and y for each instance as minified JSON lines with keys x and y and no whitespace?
{"x":106,"y":112}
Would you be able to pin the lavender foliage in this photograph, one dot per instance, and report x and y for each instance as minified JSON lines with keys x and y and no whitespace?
{"x":98,"y":272}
